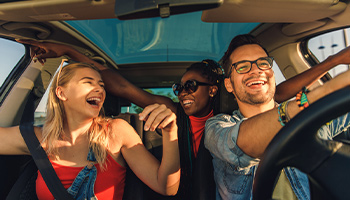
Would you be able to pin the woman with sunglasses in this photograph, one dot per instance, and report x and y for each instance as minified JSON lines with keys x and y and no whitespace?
{"x":88,"y":151}
{"x":198,"y":99}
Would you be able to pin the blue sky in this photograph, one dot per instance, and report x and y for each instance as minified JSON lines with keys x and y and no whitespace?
{"x":10,"y":53}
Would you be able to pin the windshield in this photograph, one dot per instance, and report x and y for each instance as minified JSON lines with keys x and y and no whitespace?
{"x":177,"y":38}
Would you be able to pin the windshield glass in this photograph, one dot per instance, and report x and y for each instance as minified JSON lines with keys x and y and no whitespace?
{"x":177,"y":38}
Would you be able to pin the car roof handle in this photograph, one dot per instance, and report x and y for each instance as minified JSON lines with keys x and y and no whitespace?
{"x":40,"y":31}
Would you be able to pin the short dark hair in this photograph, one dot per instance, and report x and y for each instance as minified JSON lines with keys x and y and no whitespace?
{"x":238,"y":41}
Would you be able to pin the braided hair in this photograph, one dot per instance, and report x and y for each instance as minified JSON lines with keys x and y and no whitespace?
{"x":215,"y":74}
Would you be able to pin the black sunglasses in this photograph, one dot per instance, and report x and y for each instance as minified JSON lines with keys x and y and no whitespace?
{"x":244,"y":66}
{"x":190,"y":86}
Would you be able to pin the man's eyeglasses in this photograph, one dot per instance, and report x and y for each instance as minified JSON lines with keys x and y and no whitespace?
{"x":190,"y":86}
{"x":244,"y":66}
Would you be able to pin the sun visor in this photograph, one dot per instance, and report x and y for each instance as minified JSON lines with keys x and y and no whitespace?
{"x":273,"y":11}
{"x":136,"y":9}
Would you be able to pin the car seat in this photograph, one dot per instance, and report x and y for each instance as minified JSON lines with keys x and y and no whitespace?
{"x":228,"y":101}
{"x":204,"y":184}
{"x":135,"y":189}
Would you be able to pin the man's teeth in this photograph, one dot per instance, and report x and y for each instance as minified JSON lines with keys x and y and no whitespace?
{"x":255,"y":83}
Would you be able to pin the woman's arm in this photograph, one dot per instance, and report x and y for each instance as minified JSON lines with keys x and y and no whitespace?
{"x":114,"y":82}
{"x":12,"y":142}
{"x":163,"y":177}
{"x":292,"y":86}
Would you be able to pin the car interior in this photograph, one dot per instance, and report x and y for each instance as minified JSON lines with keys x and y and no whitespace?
{"x":151,"y":43}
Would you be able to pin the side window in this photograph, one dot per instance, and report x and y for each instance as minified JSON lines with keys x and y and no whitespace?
{"x":40,"y":112}
{"x":278,"y":74}
{"x":11,"y":53}
{"x":328,"y":44}
{"x":168,"y":92}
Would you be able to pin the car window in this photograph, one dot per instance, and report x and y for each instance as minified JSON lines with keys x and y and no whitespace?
{"x":278,"y":74}
{"x":328,"y":44}
{"x":181,"y":37}
{"x":40,"y":112}
{"x":168,"y":92}
{"x":11,"y":54}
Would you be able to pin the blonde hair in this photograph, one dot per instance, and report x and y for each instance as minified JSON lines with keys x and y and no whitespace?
{"x":56,"y":116}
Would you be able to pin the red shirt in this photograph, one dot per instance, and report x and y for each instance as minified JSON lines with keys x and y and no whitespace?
{"x":197,"y":128}
{"x":109,"y":183}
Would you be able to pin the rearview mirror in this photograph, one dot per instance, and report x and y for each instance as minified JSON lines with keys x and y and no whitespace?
{"x":136,"y":9}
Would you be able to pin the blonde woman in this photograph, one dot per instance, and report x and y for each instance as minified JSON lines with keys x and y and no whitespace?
{"x":75,"y":128}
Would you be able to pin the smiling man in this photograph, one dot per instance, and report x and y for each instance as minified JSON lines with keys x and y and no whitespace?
{"x":237,"y":141}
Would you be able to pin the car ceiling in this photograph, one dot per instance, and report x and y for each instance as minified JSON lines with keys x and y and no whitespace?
{"x":229,"y":11}
{"x":284,"y":21}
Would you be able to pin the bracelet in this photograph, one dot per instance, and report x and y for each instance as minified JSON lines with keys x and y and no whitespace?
{"x":282,"y":115}
{"x":287,"y":114}
{"x":301,"y":99}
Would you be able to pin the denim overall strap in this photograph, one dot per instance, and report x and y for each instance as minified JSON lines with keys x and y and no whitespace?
{"x":83,"y":186}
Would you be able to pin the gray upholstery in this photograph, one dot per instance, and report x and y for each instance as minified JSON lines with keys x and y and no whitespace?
{"x":228,"y":101}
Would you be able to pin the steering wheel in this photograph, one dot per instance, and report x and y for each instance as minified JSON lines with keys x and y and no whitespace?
{"x":297,"y":145}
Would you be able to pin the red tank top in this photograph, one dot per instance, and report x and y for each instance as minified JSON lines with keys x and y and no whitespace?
{"x":109,"y":183}
{"x":197,"y":128}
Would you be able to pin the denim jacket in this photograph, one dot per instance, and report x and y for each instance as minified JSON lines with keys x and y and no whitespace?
{"x":234,"y":170}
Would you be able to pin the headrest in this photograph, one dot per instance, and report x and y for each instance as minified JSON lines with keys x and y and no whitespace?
{"x":228,"y":101}
{"x":112,"y":105}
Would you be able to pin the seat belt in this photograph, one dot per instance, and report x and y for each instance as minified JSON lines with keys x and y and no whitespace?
{"x":39,"y":155}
